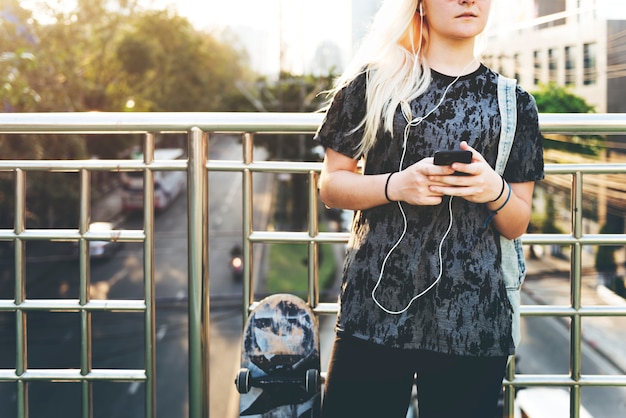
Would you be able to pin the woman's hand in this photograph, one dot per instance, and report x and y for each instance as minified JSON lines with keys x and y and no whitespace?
{"x":417,"y":184}
{"x":481,"y":184}
{"x":511,"y":203}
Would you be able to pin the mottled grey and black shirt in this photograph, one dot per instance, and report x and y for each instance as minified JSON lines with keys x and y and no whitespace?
{"x":467,"y":312}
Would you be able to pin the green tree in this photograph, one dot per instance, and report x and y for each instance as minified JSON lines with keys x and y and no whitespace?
{"x":169,"y":66}
{"x":101,"y":56}
{"x":17,"y":41}
{"x":290,"y":93}
{"x":552,"y":98}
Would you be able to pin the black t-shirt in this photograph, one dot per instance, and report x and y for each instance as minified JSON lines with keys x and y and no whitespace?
{"x":467,"y":312}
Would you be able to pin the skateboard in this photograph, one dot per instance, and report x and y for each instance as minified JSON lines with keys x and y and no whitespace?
{"x":280,"y":360}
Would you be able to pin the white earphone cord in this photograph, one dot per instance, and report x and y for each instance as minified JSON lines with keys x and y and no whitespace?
{"x":407,"y":129}
{"x":433,"y":284}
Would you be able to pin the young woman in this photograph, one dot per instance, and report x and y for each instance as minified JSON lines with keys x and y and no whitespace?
{"x":422,"y":289}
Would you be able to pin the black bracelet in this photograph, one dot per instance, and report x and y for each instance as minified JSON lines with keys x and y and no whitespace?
{"x":493,"y":213}
{"x":387,"y":185}
{"x":501,"y":190}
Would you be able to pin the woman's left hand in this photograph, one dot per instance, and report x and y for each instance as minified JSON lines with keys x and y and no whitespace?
{"x":481,"y":183}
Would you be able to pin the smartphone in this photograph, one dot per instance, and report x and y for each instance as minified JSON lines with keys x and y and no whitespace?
{"x":452,"y":156}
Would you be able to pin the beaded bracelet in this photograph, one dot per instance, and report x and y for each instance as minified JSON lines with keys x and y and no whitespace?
{"x":387,"y":185}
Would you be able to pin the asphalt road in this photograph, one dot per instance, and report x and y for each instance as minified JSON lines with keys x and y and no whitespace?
{"x":54,"y":338}
{"x":545,"y":350}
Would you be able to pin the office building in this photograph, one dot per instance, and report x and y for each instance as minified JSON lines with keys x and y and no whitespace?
{"x":580,"y":44}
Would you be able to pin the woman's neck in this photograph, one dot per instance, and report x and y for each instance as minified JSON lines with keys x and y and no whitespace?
{"x":452,"y":60}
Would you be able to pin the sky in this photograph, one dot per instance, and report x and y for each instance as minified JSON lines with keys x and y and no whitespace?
{"x":305,"y":24}
{"x":257,"y":23}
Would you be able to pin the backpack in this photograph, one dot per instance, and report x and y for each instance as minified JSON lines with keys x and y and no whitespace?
{"x":513,"y":263}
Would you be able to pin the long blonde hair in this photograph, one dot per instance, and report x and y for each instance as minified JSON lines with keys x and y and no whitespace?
{"x":392,"y":55}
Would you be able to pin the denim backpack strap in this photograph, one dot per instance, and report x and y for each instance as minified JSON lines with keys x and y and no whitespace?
{"x":513,"y":264}
{"x":508,"y":114}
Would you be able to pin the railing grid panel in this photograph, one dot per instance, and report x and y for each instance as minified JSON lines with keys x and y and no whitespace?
{"x":197,"y":126}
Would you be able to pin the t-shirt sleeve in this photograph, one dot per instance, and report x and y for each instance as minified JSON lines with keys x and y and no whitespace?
{"x":526,"y":159}
{"x":342,"y":128}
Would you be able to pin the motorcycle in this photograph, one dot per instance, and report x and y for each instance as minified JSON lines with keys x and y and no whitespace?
{"x":236,"y":263}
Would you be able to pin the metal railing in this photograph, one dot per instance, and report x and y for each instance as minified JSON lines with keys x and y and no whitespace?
{"x":198,"y":127}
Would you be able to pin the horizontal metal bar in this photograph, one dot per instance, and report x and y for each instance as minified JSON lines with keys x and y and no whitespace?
{"x":269,"y":237}
{"x":73,"y":305}
{"x":604,"y":168}
{"x":257,"y":166}
{"x":234,"y":165}
{"x":143,"y":122}
{"x":94,"y":165}
{"x":527,"y":239}
{"x":326,"y":308}
{"x":123,"y":122}
{"x":525,"y":310}
{"x":121,"y":235}
{"x":265,"y":166}
{"x":564,"y":310}
{"x":565,"y":239}
{"x":566,"y":380}
{"x":74,"y":375}
{"x":583,"y":123}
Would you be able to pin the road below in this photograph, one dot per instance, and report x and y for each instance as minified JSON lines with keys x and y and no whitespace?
{"x":118,"y":338}
{"x":545,"y":346}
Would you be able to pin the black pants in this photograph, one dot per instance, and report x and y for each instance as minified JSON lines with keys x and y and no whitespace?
{"x":369,"y":380}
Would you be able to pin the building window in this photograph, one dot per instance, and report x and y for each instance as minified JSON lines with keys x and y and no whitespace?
{"x":537,"y":66}
{"x":570,"y":65}
{"x":516,"y":65}
{"x":587,"y":10}
{"x":553,"y":65}
{"x":590,"y":64}
{"x":548,"y":8}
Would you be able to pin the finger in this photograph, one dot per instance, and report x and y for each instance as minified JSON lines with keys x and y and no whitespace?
{"x":475,"y":154}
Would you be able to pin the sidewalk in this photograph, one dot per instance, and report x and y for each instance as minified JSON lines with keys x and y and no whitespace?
{"x":548,"y":284}
{"x":108,"y":208}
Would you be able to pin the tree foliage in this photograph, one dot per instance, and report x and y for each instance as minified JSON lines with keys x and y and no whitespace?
{"x":552,"y":98}
{"x":101,"y":55}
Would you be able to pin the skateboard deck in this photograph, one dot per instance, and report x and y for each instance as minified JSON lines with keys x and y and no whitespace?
{"x":280,"y":360}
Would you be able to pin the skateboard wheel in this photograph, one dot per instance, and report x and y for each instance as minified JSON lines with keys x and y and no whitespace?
{"x":243,"y":381}
{"x":312,"y":381}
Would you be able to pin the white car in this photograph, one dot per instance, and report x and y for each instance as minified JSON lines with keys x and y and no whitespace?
{"x":102,"y":249}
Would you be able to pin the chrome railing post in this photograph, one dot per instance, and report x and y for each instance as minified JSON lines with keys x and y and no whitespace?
{"x":21,"y":359}
{"x":576,"y":295}
{"x":197,"y":198}
{"x":148,"y":265}
{"x":85,"y":315}
{"x":314,"y":248}
{"x":247,"y":210}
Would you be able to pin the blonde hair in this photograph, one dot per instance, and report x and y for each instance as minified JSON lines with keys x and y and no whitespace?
{"x":391,"y":54}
